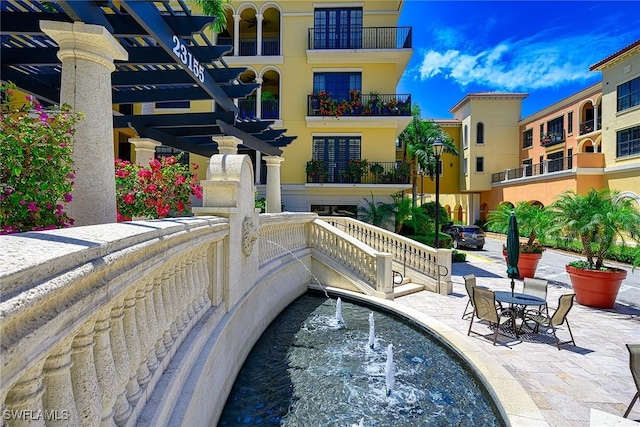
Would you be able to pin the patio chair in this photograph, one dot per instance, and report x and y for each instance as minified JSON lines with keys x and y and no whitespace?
{"x":634,"y":365}
{"x":469,"y":284}
{"x":484,"y":302}
{"x":537,"y":288}
{"x":565,"y":302}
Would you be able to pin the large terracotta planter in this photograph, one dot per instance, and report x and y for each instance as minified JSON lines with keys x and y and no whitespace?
{"x":595,"y":288}
{"x":527,"y":264}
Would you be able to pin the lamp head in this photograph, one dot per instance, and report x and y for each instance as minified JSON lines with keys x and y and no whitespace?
{"x":438,"y":147}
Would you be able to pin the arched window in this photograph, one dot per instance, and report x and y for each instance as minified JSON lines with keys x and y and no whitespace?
{"x":465,"y":137}
{"x":480,"y":133}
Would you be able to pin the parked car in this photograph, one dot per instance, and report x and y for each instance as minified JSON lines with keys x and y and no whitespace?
{"x":466,"y":236}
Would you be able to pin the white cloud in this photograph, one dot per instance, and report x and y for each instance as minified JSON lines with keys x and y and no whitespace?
{"x":529,"y":64}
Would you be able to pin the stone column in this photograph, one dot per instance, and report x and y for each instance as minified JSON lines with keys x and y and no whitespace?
{"x":274,"y":198}
{"x":259,"y":19}
{"x":145,"y":149}
{"x":87,"y":53}
{"x":259,"y":99}
{"x":227,"y":145}
{"x":236,"y":35}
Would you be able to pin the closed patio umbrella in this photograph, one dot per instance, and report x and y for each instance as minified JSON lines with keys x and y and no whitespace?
{"x":513,"y":250}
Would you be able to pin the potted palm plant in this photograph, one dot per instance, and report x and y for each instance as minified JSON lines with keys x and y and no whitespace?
{"x":530,"y":219}
{"x":598,"y":219}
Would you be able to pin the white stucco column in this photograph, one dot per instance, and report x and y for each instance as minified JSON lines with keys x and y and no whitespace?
{"x":227,"y":144}
{"x":259,"y":97}
{"x":236,"y":35}
{"x":259,"y":19}
{"x":274,"y":198}
{"x":145,"y":149}
{"x":596,"y":113}
{"x":87,"y":53}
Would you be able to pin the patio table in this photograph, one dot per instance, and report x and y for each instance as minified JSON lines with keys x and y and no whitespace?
{"x":519,"y":301}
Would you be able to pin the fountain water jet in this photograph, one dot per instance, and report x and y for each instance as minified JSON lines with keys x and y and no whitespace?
{"x":389,"y":370}
{"x":339,"y":318}
{"x":372,"y":331}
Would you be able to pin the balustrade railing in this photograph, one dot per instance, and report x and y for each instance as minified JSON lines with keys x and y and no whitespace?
{"x":537,"y":169}
{"x":406,"y":252}
{"x":86,"y":334}
{"x":356,"y":37}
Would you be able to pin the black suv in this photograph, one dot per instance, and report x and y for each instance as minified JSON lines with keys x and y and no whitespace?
{"x":466,"y":236}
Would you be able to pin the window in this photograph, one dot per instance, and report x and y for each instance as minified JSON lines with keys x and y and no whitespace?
{"x":173,"y":104}
{"x":339,"y":28}
{"x":570,"y":122}
{"x":464,"y":166}
{"x":527,"y":138}
{"x":465,"y":137}
{"x":556,"y":126}
{"x":629,"y":94}
{"x":336,"y":151}
{"x":165,"y":151}
{"x":479,"y":164}
{"x":528,"y":170}
{"x":480,"y":133}
{"x":337,"y":84}
{"x":541,"y":130}
{"x":570,"y":158}
{"x":555,"y":161}
{"x":628,"y":142}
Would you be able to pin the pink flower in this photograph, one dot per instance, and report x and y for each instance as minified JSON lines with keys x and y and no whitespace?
{"x":180,"y":179}
{"x":23,"y":202}
{"x":121,"y":173}
{"x":32,"y":207}
{"x":129,"y":198}
{"x":150,"y":188}
{"x":144,"y":173}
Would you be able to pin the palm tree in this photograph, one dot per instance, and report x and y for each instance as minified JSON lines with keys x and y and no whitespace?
{"x":215,"y":8}
{"x":376,"y":213}
{"x":598,"y":219}
{"x":531,"y":218}
{"x":418,"y":138}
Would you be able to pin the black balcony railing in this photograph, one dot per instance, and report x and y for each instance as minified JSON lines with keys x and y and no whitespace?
{"x":247,"y":109}
{"x":548,"y":166}
{"x":357,"y":104}
{"x":248,"y":47}
{"x":358,"y":172}
{"x":552,"y":138}
{"x":360,"y":38}
{"x":590,"y":126}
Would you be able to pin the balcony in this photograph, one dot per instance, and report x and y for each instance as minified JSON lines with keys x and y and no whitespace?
{"x":552,"y":138}
{"x":588,"y":126}
{"x":357,"y":104}
{"x":379,"y":38}
{"x":247,"y":109}
{"x":550,"y":166}
{"x":358,"y":171}
{"x":248,"y":47}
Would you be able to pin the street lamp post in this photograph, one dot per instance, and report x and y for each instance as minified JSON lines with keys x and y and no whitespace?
{"x":437,"y":151}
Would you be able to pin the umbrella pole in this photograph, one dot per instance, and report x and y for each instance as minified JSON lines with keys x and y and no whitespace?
{"x":512,"y":286}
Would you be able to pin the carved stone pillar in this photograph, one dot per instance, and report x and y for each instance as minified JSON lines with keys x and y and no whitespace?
{"x":161,"y":319}
{"x":274,"y":198}
{"x":122,"y":408}
{"x":105,"y":367}
{"x":24,"y":400}
{"x":133,"y":344}
{"x":58,"y":393}
{"x":145,"y":149}
{"x":83,"y":377}
{"x":87,"y":53}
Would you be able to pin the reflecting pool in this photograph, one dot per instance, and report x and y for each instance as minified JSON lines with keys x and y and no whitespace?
{"x":310,"y":369}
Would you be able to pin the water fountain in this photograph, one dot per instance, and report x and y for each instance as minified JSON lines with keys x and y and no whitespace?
{"x":372,"y":331}
{"x":309,"y":370}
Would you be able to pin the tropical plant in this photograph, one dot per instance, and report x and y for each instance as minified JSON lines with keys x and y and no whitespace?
{"x":407,"y":214}
{"x":418,"y":138}
{"x":357,"y":168}
{"x":317,"y":170}
{"x":598,"y":219}
{"x":531,"y":218}
{"x":215,"y":8}
{"x":267,"y":95}
{"x":376,"y":213}
{"x":36,"y":165}
{"x":163,"y":188}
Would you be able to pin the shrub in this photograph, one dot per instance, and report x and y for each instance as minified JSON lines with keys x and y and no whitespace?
{"x":36,"y":166}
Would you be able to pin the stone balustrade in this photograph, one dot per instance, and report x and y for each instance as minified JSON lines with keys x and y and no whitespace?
{"x":87,"y":339}
{"x":407,"y":253}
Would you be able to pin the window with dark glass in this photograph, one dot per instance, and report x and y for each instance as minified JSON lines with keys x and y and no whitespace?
{"x":337,"y":85}
{"x":339,"y":28}
{"x":628,"y":142}
{"x":479,"y":164}
{"x":336,"y":151}
{"x":629,"y":94}
{"x":480,"y":133}
{"x":555,"y":130}
{"x":555,"y":161}
{"x":570,"y":122}
{"x":570,"y":158}
{"x":527,"y":138}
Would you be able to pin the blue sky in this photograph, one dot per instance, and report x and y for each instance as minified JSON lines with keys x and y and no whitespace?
{"x":543,"y":48}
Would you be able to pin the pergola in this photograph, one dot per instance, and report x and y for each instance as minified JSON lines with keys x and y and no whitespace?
{"x":170,"y":58}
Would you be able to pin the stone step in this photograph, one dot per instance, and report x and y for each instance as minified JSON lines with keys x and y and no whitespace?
{"x":407,"y":288}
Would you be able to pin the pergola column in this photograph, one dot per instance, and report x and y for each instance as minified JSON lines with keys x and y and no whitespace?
{"x":274,"y":198}
{"x":227,"y":144}
{"x":145,"y":149}
{"x":87,"y":53}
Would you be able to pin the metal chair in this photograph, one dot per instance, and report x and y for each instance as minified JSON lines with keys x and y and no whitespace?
{"x":634,"y":365}
{"x":484,"y":302}
{"x":469,"y":284}
{"x":535,"y":287}
{"x":565,"y":302}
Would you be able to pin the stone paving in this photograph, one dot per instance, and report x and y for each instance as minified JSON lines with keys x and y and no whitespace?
{"x":567,"y":384}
